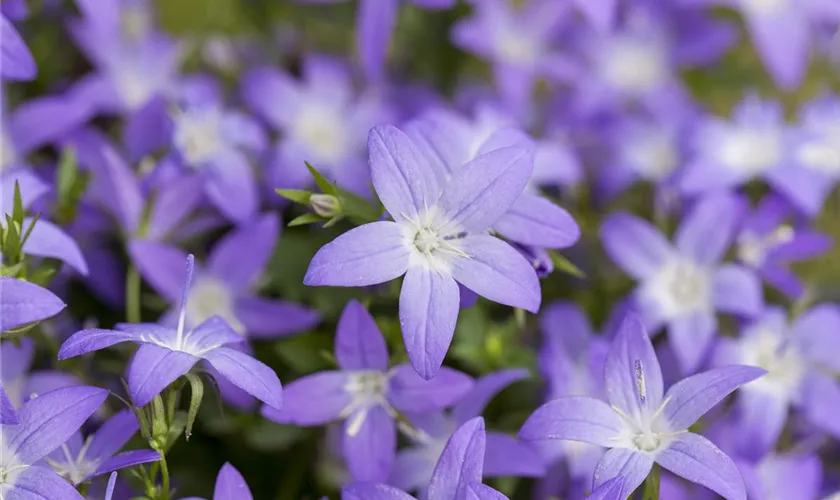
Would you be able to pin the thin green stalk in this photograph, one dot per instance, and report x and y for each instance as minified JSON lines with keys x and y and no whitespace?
{"x":132,"y":295}
{"x":164,"y":473}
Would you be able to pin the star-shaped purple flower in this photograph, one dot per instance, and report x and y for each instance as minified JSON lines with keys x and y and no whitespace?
{"x":167,"y":353}
{"x":457,"y":475}
{"x":44,"y":424}
{"x":682,"y":285}
{"x":639,"y":425}
{"x":438,"y":238}
{"x":367,"y":395}
{"x":80,"y":460}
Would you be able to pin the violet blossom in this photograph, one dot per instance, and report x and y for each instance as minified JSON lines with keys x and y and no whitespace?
{"x":23,"y":302}
{"x":230,"y":485}
{"x":639,"y":425}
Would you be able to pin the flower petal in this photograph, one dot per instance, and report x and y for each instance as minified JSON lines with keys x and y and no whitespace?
{"x":610,"y":490}
{"x":690,"y":337}
{"x":429,"y":304}
{"x":782,"y":42}
{"x":86,"y":341}
{"x":247,"y":373}
{"x":230,"y":485}
{"x":49,"y":240}
{"x":49,"y":420}
{"x":370,"y":446}
{"x":574,"y":418}
{"x":232,"y":188}
{"x":359,"y":344}
{"x":124,"y":460}
{"x":695,"y":458}
{"x":632,"y":466}
{"x":484,"y":189}
{"x":461,"y":462}
{"x":410,"y":393}
{"x":535,"y":220}
{"x":112,"y":436}
{"x":709,"y":227}
{"x":400,"y":175}
{"x":269,"y":318}
{"x":632,"y":375}
{"x":153,"y":369}
{"x":18,"y":63}
{"x":817,"y":334}
{"x":690,"y":398}
{"x":161,"y":265}
{"x":312,"y":400}
{"x":41,"y":483}
{"x":375,"y":21}
{"x":737,"y":290}
{"x":478,"y":491}
{"x":23,"y":302}
{"x":372,"y":491}
{"x":495,"y":270}
{"x":212,"y":333}
{"x":507,"y":456}
{"x":8,"y":415}
{"x":258,"y":238}
{"x":366,"y":255}
{"x":485,"y":389}
{"x":635,"y":245}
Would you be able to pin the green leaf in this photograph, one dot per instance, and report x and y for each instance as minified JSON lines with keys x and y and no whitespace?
{"x":335,"y":220}
{"x":305,"y":219}
{"x":11,"y":240}
{"x":296,"y":195}
{"x":11,"y":271}
{"x":17,"y":206}
{"x":357,"y":208}
{"x":18,"y":331}
{"x":29,"y":229}
{"x":67,"y":175}
{"x":323,"y":183}
{"x":565,"y":265}
{"x":197,"y":393}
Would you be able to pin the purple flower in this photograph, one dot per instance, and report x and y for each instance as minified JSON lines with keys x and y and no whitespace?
{"x":166,"y":353}
{"x":781,"y":31}
{"x":22,"y":385}
{"x":8,"y":414}
{"x":791,"y":475}
{"x":45,"y":423}
{"x":768,"y":244}
{"x":728,"y":153}
{"x":683,"y":285}
{"x":46,"y":239}
{"x":79,"y":460}
{"x":599,"y":13}
{"x":23,"y":302}
{"x":438,"y":239}
{"x":367,"y":395}
{"x":505,"y":455}
{"x":17,"y":61}
{"x":322,"y":120}
{"x":224,"y":287}
{"x":457,"y":475}
{"x":813,"y":166}
{"x":230,"y":485}
{"x":641,"y":427}
{"x":213,"y":141}
{"x":452,"y":141}
{"x":518,"y":42}
{"x":798,"y":359}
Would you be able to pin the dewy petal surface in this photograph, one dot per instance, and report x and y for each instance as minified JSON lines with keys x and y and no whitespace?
{"x":690,"y":398}
{"x":695,"y":458}
{"x":230,"y":485}
{"x":461,"y":462}
{"x":632,"y":375}
{"x":495,"y":270}
{"x":429,"y":303}
{"x":402,"y":179}
{"x":24,"y":302}
{"x":366,"y":255}
{"x":481,"y":191}
{"x":575,"y":418}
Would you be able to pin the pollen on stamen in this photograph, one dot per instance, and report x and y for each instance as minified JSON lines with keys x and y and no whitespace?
{"x":640,"y":380}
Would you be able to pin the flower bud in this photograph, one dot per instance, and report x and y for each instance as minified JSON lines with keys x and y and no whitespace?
{"x":325,"y":205}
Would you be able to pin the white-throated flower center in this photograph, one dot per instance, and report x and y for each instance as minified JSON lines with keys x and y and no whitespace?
{"x":752,"y":150}
{"x":654,"y":155}
{"x":753,"y":249}
{"x":634,"y":66}
{"x":198,"y":135}
{"x":210,"y":297}
{"x":7,"y":152}
{"x":321,"y":129}
{"x":368,"y":389}
{"x":75,"y":469}
{"x":681,"y":287}
{"x":517,"y":47}
{"x":9,"y":465}
{"x":427,"y":240}
{"x":784,"y":364}
{"x":765,"y":7}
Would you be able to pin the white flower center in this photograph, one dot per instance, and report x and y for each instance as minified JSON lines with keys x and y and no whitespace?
{"x":751,"y":151}
{"x":75,"y":469}
{"x":321,"y":129}
{"x":7,"y":152}
{"x":784,"y":364}
{"x":821,"y":152}
{"x":368,"y":389}
{"x":429,"y":246}
{"x":653,"y":156}
{"x":765,"y":7}
{"x":209,"y":297}
{"x":427,"y":240}
{"x":681,"y":287}
{"x":198,"y":135}
{"x":10,"y":467}
{"x":646,"y":432}
{"x":517,"y":47}
{"x":634,"y":66}
{"x":133,"y":85}
{"x":753,"y":249}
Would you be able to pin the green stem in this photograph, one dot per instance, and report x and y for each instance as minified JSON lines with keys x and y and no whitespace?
{"x":132,"y":295}
{"x":164,"y":474}
{"x":651,"y":486}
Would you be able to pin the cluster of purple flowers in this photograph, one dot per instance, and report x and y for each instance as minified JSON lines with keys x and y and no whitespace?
{"x":584,"y":171}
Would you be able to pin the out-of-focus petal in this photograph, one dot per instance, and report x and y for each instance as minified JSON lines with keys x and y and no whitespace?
{"x":313,"y":400}
{"x":635,"y":245}
{"x":409,"y":392}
